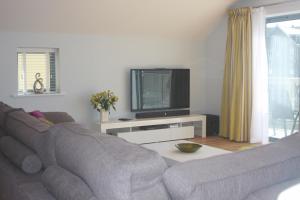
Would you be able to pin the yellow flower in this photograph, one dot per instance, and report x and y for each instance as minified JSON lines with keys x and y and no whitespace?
{"x":104,"y":100}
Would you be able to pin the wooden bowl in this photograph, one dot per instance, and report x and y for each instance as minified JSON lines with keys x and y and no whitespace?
{"x":188,"y":147}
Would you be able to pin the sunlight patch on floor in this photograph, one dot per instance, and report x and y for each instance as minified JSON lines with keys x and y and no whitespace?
{"x":292,"y":193}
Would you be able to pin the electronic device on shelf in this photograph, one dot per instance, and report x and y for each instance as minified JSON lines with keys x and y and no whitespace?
{"x":160,"y":92}
{"x":124,"y":119}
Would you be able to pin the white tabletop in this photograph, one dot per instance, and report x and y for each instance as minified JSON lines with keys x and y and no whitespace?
{"x":115,"y":123}
{"x":168,"y":150}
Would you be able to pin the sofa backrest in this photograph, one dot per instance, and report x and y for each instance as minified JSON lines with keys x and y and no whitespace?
{"x":2,"y":132}
{"x":20,"y":155}
{"x":58,"y":117}
{"x":3,"y":109}
{"x":234,"y":176}
{"x":3,"y":112}
{"x":112,"y":168}
{"x":20,"y":130}
{"x":29,"y":130}
{"x":25,"y":127}
{"x":63,"y":185}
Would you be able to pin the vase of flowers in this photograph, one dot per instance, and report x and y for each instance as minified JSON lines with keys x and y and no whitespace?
{"x":104,"y":115}
{"x":102,"y":102}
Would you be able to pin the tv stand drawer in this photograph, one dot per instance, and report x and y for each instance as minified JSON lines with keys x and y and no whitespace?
{"x":158,"y":135}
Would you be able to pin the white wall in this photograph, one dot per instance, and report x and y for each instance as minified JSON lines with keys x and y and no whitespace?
{"x":215,"y":51}
{"x":216,"y":45}
{"x":89,"y":64}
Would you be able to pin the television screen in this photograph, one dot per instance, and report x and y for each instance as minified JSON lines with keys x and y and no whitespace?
{"x":158,"y":89}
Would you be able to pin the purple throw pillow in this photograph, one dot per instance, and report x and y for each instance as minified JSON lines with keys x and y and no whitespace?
{"x":40,"y":116}
{"x":37,"y":114}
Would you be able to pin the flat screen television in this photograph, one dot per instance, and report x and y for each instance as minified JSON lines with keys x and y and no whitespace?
{"x":159,"y":89}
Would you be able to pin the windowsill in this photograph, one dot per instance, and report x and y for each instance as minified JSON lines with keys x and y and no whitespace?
{"x":38,"y":95}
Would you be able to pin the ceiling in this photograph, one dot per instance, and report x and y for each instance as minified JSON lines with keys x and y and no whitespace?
{"x":162,"y":18}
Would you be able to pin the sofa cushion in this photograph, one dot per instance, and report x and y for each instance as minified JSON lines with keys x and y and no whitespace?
{"x":20,"y":155}
{"x":25,"y":127}
{"x":156,"y":192}
{"x":108,"y":163}
{"x":170,"y":162}
{"x":29,"y":121}
{"x":64,"y":185}
{"x":40,"y":116}
{"x":45,"y":143}
{"x":289,"y":190}
{"x":3,"y":109}
{"x":11,"y":178}
{"x":2,"y":132}
{"x":32,"y":191}
{"x":241,"y":173}
{"x":58,"y":117}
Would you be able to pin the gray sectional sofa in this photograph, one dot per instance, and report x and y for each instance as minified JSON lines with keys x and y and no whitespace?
{"x":66,"y":161}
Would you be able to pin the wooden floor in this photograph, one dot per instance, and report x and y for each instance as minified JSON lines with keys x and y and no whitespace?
{"x":223,"y":143}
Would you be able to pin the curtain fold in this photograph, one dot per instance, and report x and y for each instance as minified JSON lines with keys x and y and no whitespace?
{"x":259,"y":121}
{"x":237,"y":83}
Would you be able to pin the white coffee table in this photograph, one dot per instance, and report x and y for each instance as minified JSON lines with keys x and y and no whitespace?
{"x":168,"y":150}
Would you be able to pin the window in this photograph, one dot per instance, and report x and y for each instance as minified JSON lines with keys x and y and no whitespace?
{"x":36,"y":60}
{"x":283,"y":48}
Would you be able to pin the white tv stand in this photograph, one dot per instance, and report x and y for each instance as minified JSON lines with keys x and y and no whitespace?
{"x":177,"y":127}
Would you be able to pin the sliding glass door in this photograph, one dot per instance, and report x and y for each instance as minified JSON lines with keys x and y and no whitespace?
{"x":283,"y":49}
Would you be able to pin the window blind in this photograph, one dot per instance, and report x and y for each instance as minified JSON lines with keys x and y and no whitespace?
{"x":52,"y":72}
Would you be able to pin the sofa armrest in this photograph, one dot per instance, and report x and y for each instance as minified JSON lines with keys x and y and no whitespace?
{"x":235,"y":176}
{"x":58,"y":117}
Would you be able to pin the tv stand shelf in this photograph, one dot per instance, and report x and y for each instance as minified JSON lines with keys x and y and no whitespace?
{"x":177,"y":128}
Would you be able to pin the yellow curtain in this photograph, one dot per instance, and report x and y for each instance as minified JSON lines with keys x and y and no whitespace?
{"x":237,"y":82}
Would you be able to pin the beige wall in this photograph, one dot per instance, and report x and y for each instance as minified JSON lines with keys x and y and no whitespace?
{"x":89,"y":64}
{"x":133,"y":33}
